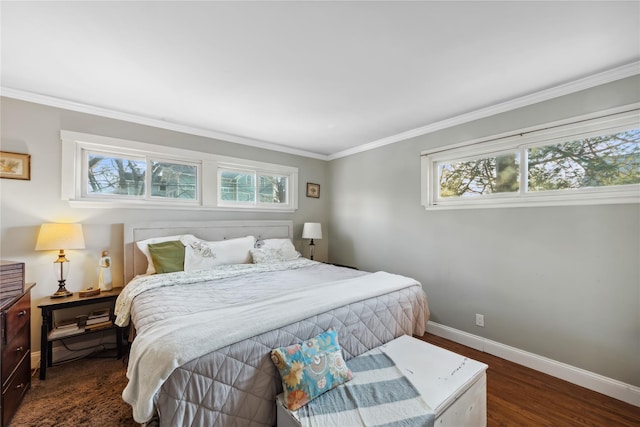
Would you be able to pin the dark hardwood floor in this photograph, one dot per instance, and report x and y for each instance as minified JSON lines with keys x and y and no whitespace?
{"x":519,"y":396}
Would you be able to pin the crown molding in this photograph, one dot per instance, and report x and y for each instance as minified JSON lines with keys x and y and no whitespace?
{"x":614,"y":74}
{"x":148,"y":121}
{"x":604,"y":77}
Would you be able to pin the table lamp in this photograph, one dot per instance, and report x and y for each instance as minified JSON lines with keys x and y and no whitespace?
{"x":60,"y":237}
{"x":312,"y":230}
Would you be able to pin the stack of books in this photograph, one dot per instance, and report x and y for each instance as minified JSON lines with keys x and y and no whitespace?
{"x":66,"y":327}
{"x":99,"y":319}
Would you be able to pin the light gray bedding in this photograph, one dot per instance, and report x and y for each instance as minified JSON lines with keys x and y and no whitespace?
{"x":236,"y":385}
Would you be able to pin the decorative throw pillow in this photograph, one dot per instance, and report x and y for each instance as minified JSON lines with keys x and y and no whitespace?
{"x":281,"y":249}
{"x":168,"y":256}
{"x":143,"y":245}
{"x":310,"y":368}
{"x":202,"y":254}
{"x":265,"y":256}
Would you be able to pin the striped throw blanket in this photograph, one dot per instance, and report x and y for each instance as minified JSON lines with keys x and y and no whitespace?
{"x":379,"y":395}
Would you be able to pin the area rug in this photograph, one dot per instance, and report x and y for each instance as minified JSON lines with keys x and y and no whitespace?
{"x":85,"y":392}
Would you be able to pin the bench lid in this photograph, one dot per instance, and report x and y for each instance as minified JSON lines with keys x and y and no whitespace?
{"x":439,"y":375}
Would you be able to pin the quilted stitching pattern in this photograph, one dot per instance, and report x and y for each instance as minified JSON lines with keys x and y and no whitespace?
{"x":237,"y":385}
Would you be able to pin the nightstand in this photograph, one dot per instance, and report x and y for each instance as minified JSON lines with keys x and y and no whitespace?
{"x":15,"y":331}
{"x":49,"y":305}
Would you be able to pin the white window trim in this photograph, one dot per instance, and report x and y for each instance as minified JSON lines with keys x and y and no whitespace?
{"x":609,"y":121}
{"x":259,"y":169}
{"x":84,"y":190}
{"x":75,"y":145}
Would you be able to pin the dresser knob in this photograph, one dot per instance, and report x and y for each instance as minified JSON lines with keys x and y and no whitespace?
{"x":22,"y":313}
{"x":19,"y":349}
{"x":19,"y":386}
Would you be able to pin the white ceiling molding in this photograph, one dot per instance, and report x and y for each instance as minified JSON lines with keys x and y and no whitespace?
{"x":618,"y":73}
{"x":148,"y":121}
{"x":557,"y":91}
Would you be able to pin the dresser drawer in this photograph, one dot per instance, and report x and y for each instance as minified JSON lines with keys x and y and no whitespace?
{"x":13,"y":352}
{"x":16,"y":387}
{"x":18,"y":315}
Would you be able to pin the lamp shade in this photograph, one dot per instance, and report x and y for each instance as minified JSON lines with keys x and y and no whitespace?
{"x":312,"y":230}
{"x":60,"y":236}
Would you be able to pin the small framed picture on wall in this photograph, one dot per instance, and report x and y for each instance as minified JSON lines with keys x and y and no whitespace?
{"x":15,"y":165}
{"x":313,"y":190}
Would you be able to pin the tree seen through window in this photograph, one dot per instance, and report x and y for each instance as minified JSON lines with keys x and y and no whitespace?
{"x":598,"y":161}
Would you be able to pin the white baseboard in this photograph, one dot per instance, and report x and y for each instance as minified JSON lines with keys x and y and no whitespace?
{"x":596,"y":382}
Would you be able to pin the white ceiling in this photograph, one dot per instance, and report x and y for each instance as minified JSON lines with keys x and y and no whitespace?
{"x":320,"y":77}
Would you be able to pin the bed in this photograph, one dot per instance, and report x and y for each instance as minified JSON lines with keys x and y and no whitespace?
{"x":200,"y":356}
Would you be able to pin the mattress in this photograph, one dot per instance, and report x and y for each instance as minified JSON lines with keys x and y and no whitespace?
{"x":236,"y":384}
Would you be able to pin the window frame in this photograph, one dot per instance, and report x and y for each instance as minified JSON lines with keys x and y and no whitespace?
{"x":76,"y":148}
{"x":257,"y":171}
{"x":602,"y":123}
{"x":85,"y":175}
{"x":148,"y":159}
{"x":198,"y":190}
{"x":496,"y":154}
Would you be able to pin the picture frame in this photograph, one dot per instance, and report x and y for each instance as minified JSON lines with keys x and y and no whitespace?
{"x":313,"y":190}
{"x":15,"y":165}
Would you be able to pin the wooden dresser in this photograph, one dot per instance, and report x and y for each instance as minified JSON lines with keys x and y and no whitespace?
{"x":15,"y":340}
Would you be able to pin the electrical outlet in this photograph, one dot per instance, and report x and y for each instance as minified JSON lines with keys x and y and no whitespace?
{"x":480,"y":320}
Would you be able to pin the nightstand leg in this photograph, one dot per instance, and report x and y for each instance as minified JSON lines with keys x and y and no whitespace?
{"x":50,"y":353}
{"x":44,"y":344}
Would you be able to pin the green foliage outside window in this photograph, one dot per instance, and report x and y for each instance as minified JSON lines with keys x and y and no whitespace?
{"x":488,"y":175}
{"x":590,"y":162}
{"x":599,"y":161}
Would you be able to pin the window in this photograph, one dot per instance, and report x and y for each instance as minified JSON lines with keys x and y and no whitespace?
{"x":599,"y":161}
{"x":174,"y":180}
{"x":111,"y":175}
{"x":493,"y":174}
{"x":237,"y":187}
{"x":593,"y":160}
{"x":109,"y":172}
{"x":252,"y":187}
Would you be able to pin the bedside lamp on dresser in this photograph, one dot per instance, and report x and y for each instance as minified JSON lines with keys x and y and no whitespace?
{"x":15,"y":337}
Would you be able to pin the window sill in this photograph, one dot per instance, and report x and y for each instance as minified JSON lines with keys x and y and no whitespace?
{"x":560,"y":198}
{"x":91,"y":204}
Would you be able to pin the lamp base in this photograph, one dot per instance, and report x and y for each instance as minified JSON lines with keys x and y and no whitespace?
{"x":62,"y":292}
{"x":312,"y":249}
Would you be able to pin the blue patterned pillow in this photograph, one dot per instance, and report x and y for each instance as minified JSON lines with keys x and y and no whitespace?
{"x":310,"y":368}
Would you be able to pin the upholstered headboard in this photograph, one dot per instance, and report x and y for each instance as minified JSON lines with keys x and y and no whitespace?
{"x":136,"y":263}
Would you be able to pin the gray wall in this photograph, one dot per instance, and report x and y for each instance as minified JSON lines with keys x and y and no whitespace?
{"x":24,"y":205}
{"x":560,"y":282}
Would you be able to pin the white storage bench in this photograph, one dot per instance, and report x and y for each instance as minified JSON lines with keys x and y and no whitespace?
{"x":453,"y":386}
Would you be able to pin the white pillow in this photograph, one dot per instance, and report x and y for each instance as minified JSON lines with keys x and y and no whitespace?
{"x":143,"y":245}
{"x":268,"y":256}
{"x":284,"y":247}
{"x":201,"y":254}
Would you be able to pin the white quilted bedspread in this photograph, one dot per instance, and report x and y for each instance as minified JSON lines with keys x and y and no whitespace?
{"x":238,"y":306}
